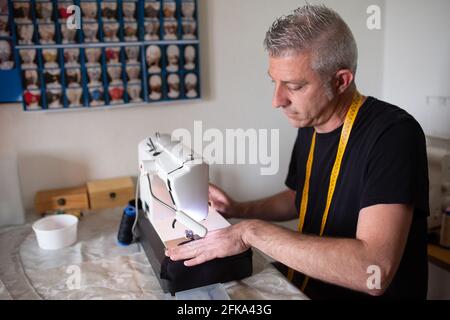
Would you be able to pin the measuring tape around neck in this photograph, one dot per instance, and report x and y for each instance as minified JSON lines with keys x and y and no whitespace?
{"x":343,"y":140}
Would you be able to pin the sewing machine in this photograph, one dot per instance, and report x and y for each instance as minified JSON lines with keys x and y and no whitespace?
{"x":173,"y":192}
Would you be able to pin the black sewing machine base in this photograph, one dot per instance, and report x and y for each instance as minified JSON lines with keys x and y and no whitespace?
{"x":174,"y":276}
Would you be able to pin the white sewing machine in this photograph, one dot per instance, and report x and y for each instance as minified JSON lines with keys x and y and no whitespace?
{"x":178,"y":179}
{"x":173,"y":185}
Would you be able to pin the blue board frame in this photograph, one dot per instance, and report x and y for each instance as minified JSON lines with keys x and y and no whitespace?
{"x":10,"y":80}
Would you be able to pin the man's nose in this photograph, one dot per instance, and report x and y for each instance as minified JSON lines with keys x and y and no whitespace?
{"x":279,"y":97}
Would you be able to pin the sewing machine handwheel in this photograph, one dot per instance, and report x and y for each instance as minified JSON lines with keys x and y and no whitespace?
{"x":61,"y":201}
{"x":112,"y":195}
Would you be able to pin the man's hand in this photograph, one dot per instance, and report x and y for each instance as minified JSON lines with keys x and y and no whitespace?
{"x":217,"y":244}
{"x":221,"y":202}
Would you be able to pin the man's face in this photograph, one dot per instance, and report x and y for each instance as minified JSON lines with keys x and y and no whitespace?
{"x":299,"y":90}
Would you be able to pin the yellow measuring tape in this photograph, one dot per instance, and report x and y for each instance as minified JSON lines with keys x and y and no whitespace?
{"x":345,"y":135}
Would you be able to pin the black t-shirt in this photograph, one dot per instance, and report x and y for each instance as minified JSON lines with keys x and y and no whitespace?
{"x":385,"y":162}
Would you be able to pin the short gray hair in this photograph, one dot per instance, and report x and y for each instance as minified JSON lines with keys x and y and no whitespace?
{"x":318,"y":30}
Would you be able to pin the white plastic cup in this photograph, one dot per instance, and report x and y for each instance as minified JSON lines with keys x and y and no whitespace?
{"x":56,"y":232}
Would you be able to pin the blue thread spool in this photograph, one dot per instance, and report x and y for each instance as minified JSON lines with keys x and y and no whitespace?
{"x":125,"y":234}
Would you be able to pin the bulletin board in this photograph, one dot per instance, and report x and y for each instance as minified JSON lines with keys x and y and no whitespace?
{"x":120,"y":53}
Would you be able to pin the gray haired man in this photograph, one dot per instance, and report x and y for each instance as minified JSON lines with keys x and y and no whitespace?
{"x":357,"y":181}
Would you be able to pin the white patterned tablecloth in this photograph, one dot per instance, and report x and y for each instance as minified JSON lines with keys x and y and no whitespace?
{"x":107,"y":271}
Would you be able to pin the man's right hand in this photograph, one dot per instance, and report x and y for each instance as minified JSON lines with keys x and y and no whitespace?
{"x":221,"y":202}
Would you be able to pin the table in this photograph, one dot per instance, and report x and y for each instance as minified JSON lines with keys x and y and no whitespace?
{"x":439,"y":256}
{"x":106,"y":270}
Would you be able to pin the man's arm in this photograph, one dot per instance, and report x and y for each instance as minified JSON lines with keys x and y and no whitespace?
{"x":381,"y":237}
{"x":382,"y":233}
{"x":279,"y":207}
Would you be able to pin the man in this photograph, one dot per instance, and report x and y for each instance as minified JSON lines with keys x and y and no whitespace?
{"x":363,"y":232}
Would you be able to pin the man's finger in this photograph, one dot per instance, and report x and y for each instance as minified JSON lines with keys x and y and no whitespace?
{"x":198,"y":260}
{"x":180,"y":253}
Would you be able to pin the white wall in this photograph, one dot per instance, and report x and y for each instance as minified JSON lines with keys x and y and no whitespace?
{"x":11,"y":207}
{"x":69,"y":148}
{"x":417,"y":64}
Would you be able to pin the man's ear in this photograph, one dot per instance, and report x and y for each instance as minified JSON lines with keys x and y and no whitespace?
{"x":343,"y":79}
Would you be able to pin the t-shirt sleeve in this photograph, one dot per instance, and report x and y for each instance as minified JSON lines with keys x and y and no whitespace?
{"x":396,"y":170}
{"x":292,"y":177}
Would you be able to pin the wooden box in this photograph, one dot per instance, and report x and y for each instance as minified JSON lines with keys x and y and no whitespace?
{"x":61,"y":199}
{"x":110,"y":193}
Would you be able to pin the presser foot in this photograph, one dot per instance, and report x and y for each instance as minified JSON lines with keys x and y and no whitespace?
{"x":188,"y":234}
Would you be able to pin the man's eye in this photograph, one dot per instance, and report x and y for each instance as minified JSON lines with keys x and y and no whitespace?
{"x":294,"y":88}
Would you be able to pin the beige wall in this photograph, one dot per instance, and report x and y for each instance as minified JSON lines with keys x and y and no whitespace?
{"x":417,"y":64}
{"x":68,"y":148}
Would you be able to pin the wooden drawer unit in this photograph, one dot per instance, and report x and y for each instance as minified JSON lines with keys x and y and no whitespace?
{"x":61,"y":199}
{"x":110,"y":193}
